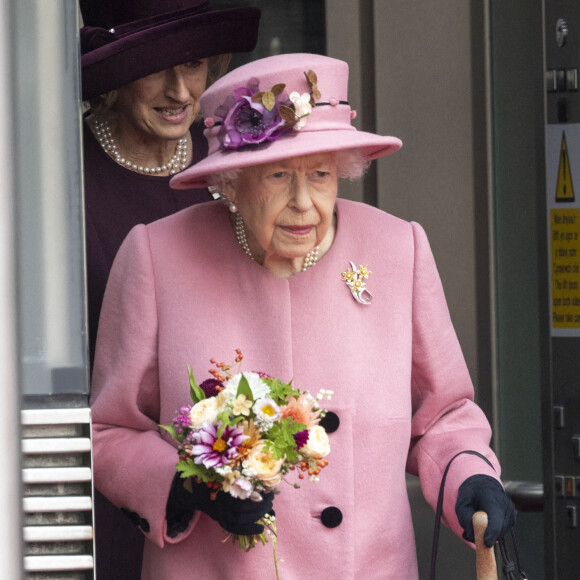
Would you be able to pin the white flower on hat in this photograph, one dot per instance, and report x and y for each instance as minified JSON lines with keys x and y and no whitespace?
{"x":302,"y":108}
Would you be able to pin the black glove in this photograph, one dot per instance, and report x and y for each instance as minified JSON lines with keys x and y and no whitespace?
{"x":484,"y":493}
{"x":232,"y":514}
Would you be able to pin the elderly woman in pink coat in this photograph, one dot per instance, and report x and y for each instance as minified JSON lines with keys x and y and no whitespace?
{"x":267,"y":270}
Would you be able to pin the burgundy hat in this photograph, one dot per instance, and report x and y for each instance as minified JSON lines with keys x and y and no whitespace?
{"x":125,"y":40}
{"x":276,"y":108}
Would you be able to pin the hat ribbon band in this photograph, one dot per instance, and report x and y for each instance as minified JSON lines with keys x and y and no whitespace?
{"x":333,"y":104}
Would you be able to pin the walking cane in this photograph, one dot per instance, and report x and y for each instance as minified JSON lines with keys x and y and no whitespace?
{"x":484,"y":556}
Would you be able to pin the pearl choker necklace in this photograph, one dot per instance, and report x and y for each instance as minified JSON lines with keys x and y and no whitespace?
{"x":240,"y":231}
{"x":177,"y":162}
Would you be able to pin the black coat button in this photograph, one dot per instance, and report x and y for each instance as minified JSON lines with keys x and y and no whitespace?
{"x":330,"y":422}
{"x":331,"y":517}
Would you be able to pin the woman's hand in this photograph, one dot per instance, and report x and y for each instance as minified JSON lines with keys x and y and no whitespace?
{"x":484,"y":493}
{"x":232,"y":514}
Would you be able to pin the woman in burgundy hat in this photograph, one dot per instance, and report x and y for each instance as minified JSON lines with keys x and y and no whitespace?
{"x":145,"y":64}
{"x":330,"y":293}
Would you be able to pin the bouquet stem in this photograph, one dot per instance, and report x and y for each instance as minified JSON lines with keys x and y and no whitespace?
{"x":246,"y":543}
{"x":274,"y":542}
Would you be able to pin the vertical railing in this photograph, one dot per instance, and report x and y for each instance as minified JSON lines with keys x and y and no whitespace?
{"x":10,"y":490}
{"x":47,"y":162}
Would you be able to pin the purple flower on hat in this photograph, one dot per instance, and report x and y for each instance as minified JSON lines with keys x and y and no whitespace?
{"x":249,"y":122}
{"x":213,"y":451}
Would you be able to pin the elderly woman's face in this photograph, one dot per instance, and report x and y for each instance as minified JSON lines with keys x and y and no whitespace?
{"x":288,"y":205}
{"x":162,"y":105}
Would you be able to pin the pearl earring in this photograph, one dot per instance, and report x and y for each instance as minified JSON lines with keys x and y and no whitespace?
{"x":220,"y":195}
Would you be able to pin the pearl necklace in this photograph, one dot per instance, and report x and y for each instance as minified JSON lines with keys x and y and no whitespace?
{"x":240,"y":232}
{"x":177,"y":162}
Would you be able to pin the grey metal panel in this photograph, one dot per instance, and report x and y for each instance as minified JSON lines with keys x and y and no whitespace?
{"x":518,"y":177}
{"x":59,"y":533}
{"x":561,"y":389}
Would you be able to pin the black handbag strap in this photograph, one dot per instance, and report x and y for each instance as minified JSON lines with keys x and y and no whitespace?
{"x":509,"y":568}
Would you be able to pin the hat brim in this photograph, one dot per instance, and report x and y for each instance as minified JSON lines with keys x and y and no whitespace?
{"x":169,"y":44}
{"x":295,"y":144}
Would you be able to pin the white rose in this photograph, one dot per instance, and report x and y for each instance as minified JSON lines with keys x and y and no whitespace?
{"x":317,"y":444}
{"x":205,"y":410}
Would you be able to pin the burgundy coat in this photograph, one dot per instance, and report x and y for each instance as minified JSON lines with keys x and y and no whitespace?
{"x":116,"y":200}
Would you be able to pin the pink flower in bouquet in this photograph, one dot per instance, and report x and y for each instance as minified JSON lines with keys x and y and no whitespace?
{"x":300,"y":410}
{"x":182,"y":419}
{"x":213,"y":451}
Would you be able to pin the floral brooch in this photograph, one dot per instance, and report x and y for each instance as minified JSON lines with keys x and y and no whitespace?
{"x":354,"y":278}
{"x":251,"y":116}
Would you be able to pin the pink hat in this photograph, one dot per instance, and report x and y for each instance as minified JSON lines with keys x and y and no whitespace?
{"x":276,"y":108}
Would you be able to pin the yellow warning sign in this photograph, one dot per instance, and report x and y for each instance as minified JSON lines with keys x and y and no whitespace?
{"x":565,"y":250}
{"x":564,"y":187}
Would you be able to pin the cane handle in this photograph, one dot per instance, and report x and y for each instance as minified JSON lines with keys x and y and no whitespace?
{"x":484,"y":556}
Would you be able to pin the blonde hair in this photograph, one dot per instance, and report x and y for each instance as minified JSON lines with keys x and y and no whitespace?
{"x":216,"y":68}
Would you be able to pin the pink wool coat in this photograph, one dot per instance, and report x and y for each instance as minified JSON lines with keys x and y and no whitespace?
{"x":182,"y":291}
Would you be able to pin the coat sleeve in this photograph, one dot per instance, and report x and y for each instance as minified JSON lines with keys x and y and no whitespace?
{"x":445,"y":418}
{"x":133,"y":464}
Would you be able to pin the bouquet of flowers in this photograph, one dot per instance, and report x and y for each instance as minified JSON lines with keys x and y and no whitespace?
{"x":245,"y":433}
